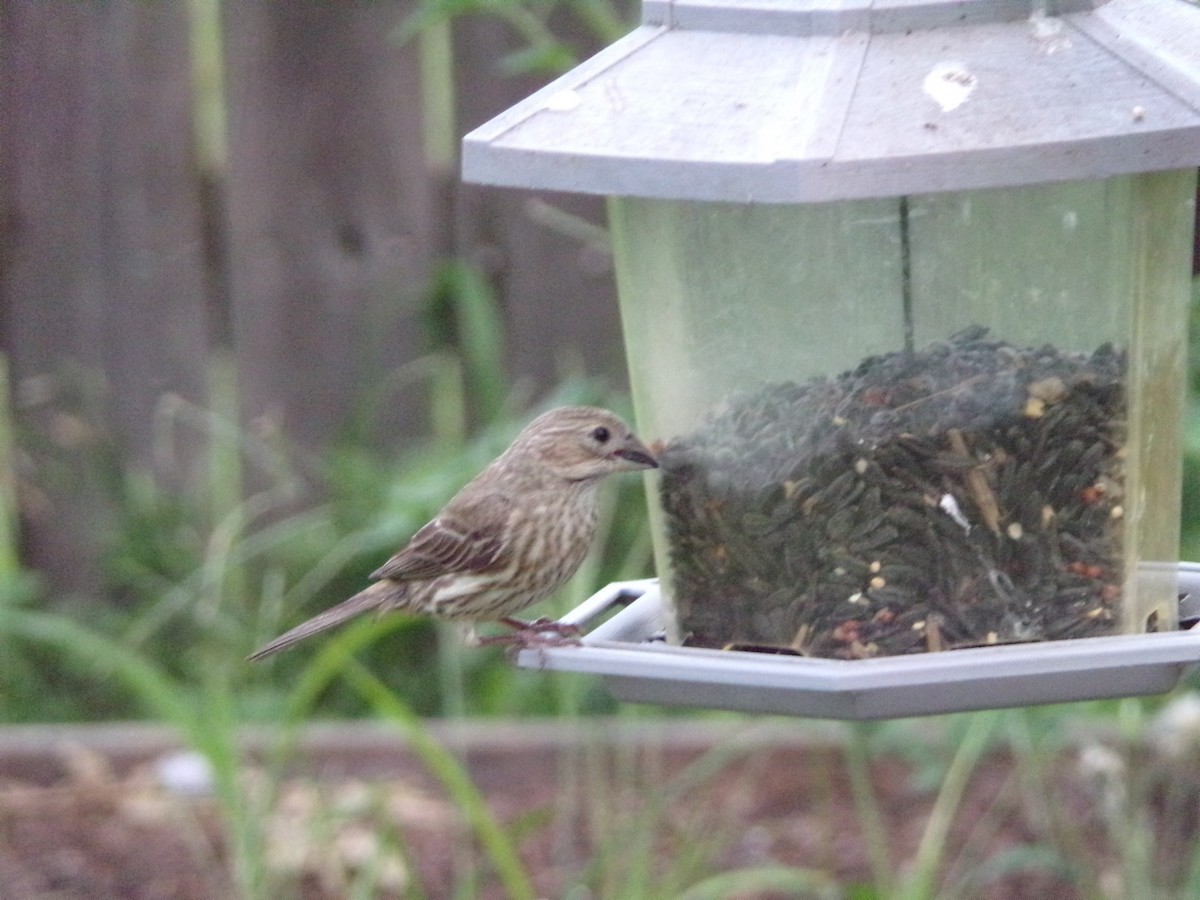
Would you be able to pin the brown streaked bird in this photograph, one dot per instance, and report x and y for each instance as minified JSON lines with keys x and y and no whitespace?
{"x":507,"y":540}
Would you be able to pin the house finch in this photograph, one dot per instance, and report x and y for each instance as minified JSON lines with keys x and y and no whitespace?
{"x":508,"y":539}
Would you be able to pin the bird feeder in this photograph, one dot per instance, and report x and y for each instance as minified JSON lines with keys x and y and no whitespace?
{"x":904,"y":289}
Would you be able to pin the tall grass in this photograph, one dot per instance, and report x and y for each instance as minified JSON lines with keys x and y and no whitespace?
{"x":211,"y":553}
{"x":22,"y":677}
{"x":208,"y":572}
{"x":539,"y":29}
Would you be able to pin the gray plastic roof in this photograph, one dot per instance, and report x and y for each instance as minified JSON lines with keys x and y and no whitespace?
{"x":813,"y":100}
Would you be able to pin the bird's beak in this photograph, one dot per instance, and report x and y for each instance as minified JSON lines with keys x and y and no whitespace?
{"x":638,"y":455}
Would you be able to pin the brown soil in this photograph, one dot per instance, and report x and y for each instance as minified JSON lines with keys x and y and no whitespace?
{"x":89,"y":819}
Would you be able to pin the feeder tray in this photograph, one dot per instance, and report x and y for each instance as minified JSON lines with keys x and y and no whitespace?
{"x":628,"y":650}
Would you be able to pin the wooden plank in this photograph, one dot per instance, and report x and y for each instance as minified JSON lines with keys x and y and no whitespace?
{"x":329,"y":210}
{"x":102,"y":270}
{"x":558,"y":291}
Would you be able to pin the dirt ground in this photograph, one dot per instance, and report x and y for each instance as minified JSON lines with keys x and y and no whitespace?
{"x":87,"y":815}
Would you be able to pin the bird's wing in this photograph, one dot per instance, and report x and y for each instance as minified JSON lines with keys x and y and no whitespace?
{"x":467,"y":536}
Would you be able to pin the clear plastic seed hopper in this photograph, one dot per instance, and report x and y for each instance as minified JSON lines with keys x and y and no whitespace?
{"x":904,"y":289}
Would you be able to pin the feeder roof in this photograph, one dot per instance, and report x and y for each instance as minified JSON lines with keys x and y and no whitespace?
{"x":816,"y":100}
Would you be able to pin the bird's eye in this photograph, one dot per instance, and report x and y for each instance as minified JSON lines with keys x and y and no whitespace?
{"x":600,"y":435}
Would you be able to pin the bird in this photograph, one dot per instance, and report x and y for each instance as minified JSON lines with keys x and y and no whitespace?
{"x":508,"y":539}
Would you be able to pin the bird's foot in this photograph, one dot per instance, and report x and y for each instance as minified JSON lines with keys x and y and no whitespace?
{"x":541,"y":632}
{"x":542,"y":625}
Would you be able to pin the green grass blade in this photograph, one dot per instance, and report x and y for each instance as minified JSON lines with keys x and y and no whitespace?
{"x":10,"y":559}
{"x":794,"y":883}
{"x":454,"y":778}
{"x":929,"y":856}
{"x":866,"y":805}
{"x":159,"y":694}
{"x":207,"y":722}
{"x":480,"y":332}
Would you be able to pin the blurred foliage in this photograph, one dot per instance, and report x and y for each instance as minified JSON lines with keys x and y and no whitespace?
{"x":551,"y":35}
{"x":1191,"y":457}
{"x":230,"y":535}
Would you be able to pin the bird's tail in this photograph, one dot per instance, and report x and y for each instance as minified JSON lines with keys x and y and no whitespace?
{"x":380,"y":595}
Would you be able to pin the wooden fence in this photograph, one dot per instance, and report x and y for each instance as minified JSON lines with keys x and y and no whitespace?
{"x":300,"y":247}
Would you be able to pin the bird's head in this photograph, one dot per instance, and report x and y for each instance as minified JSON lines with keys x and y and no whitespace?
{"x":581,"y":443}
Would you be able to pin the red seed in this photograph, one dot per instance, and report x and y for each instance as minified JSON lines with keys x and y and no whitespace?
{"x":847,"y":631}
